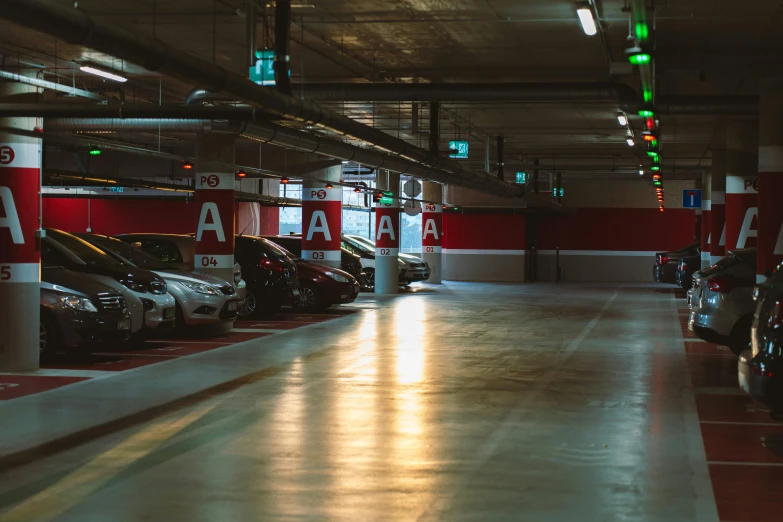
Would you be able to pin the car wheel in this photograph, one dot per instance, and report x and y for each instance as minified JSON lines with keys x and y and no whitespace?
{"x":49,"y":339}
{"x":309,"y":299}
{"x":369,"y":279}
{"x":249,"y":306}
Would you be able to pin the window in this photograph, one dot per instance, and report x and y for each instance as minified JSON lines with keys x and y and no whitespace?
{"x":83,"y":250}
{"x":51,"y":257}
{"x":164,"y":250}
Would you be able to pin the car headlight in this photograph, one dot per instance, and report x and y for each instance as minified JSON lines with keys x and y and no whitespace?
{"x":201,"y":288}
{"x":78,"y":303}
{"x":337,"y":277}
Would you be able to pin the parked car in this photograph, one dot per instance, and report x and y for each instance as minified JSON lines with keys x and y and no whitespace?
{"x":722,"y":300}
{"x":665,"y":268}
{"x":320,"y":286}
{"x":761,"y":367}
{"x":145,"y":293}
{"x":201,"y":299}
{"x":349,"y":262}
{"x":412,"y":268}
{"x":270,"y":275}
{"x":78,"y":313}
{"x":686,"y":267}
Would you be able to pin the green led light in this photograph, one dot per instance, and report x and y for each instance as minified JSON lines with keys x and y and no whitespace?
{"x":655,"y":167}
{"x":642,"y":32}
{"x":657,"y":183}
{"x":647,"y":95}
{"x":646,"y":113}
{"x":652,"y":153}
{"x":95,"y":151}
{"x":639,"y":59}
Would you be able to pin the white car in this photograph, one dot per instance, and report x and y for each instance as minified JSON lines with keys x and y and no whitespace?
{"x":412,"y":268}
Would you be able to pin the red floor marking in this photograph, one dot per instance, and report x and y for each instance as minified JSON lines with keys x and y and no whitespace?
{"x":14,"y":386}
{"x":731,"y":408}
{"x":739,"y":443}
{"x":747,"y":493}
{"x":116,"y":362}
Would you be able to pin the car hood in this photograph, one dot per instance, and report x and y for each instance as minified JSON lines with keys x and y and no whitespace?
{"x":411,"y":260}
{"x":304,"y":266}
{"x":64,"y":280}
{"x":190,"y":277}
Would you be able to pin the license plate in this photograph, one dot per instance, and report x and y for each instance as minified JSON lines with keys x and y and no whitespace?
{"x":295,"y":291}
{"x":169,"y":313}
{"x":124,"y":325}
{"x":233,"y":305}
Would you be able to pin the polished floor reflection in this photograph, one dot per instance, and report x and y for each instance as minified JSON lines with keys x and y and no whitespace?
{"x":463,"y":402}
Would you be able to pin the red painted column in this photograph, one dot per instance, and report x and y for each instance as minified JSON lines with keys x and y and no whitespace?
{"x":770,"y":196}
{"x":741,"y":185}
{"x":20,"y":257}
{"x":215,"y":209}
{"x":432,"y":231}
{"x":718,"y":203}
{"x":322,"y":211}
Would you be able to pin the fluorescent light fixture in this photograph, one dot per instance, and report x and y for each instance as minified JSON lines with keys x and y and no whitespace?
{"x":586,"y":17}
{"x":623,"y":120}
{"x":630,"y":142}
{"x":103,"y":74}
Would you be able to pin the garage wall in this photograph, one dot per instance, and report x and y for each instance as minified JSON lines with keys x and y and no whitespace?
{"x":118,"y":216}
{"x":484,"y":247}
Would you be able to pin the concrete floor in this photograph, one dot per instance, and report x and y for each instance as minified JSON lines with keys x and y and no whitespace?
{"x":466,"y":402}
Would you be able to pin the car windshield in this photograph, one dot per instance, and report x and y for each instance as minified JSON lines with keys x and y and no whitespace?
{"x":133,"y":255}
{"x":365,"y":245}
{"x":293,"y":246}
{"x":723,"y":264}
{"x":83,"y":250}
{"x":271,"y":250}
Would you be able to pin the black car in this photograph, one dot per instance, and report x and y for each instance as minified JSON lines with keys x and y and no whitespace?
{"x":79,"y":313}
{"x":268,"y":271}
{"x":761,"y":367}
{"x":686,"y":267}
{"x":665,"y":268}
{"x":349,"y":262}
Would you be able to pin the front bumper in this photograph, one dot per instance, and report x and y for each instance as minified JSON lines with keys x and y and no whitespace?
{"x":206,"y":309}
{"x":343,"y":293}
{"x":766,"y":389}
{"x":159,"y":311}
{"x":85,"y":329}
{"x":416,"y":274}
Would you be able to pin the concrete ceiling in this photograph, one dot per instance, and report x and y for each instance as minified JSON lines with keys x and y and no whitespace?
{"x":702,"y":47}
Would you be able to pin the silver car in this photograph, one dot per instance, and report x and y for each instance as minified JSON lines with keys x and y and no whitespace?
{"x":201,"y":299}
{"x":412,"y":268}
{"x":721,"y":300}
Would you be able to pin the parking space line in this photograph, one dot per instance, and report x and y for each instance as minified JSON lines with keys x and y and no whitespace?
{"x":737,"y":423}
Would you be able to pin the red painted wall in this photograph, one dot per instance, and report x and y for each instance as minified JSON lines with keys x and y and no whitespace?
{"x":484,"y":231}
{"x":640,"y":229}
{"x":118,"y":216}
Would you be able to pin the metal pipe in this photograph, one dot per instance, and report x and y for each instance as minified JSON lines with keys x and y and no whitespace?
{"x":78,"y":28}
{"x":251,"y":33}
{"x":283,"y":47}
{"x":45,"y":84}
{"x":434,"y":127}
{"x":501,"y":174}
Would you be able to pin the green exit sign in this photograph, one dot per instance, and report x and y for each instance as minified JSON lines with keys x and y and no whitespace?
{"x":521,"y":178}
{"x":458,"y":149}
{"x":263,"y":72}
{"x":562,"y":192}
{"x":386,"y":198}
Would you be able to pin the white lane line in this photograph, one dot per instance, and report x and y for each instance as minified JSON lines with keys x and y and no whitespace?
{"x":704,"y":505}
{"x":257,"y":330}
{"x":734,"y":423}
{"x":759,"y":464}
{"x":496,"y":438}
{"x":707,"y":390}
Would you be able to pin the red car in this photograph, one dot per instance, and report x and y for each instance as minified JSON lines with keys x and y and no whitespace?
{"x":323,"y":286}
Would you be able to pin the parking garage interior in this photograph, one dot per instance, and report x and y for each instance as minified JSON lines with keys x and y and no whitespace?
{"x":410,"y":260}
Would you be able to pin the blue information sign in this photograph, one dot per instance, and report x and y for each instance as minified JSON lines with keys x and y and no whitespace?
{"x":691,"y":198}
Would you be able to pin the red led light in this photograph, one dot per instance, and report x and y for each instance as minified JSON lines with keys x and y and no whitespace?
{"x":357,"y":190}
{"x":649,"y":137}
{"x":329,"y":185}
{"x":241,"y":174}
{"x":650,"y":123}
{"x":187,"y":165}
{"x":284,"y":180}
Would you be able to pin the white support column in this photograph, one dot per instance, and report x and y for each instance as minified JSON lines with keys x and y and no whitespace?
{"x":387,"y":236}
{"x":432,"y":230}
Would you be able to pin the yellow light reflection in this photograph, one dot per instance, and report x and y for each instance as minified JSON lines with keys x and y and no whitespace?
{"x":411,"y":340}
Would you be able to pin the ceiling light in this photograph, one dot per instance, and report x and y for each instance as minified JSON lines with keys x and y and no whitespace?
{"x":284,"y":180}
{"x":622,"y":119}
{"x":357,"y":190}
{"x":630,"y":142}
{"x":641,"y":173}
{"x":103,"y":74}
{"x":329,"y":185}
{"x":187,"y":165}
{"x":241,"y":174}
{"x":586,"y":17}
{"x":344,"y":162}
